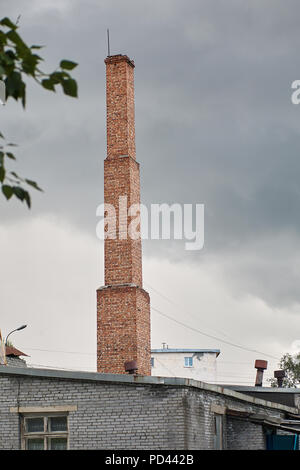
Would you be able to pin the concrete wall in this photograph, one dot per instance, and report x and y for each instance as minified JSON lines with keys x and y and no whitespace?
{"x":128,"y":415}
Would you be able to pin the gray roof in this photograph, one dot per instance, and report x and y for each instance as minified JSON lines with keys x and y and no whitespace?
{"x":184,"y":350}
{"x":242,"y":388}
{"x":140,"y":380}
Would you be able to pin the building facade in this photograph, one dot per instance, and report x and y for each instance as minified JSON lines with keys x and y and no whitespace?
{"x":197,"y":364}
{"x":53,"y":409}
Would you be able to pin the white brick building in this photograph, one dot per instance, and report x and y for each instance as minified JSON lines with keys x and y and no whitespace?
{"x":197,"y":364}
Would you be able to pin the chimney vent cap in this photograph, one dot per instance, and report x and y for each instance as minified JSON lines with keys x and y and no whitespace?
{"x":260,"y":364}
{"x":131,"y":367}
{"x":114,"y":59}
{"x":279,"y":374}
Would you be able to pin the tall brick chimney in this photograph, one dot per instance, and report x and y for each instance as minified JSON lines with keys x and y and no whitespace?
{"x":123,"y":306}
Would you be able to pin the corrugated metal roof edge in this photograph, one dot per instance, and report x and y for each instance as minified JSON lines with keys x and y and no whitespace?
{"x":140,"y":380}
{"x":244,"y":388}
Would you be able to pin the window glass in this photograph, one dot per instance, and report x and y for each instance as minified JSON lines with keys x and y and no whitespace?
{"x":45,"y":432}
{"x":57,"y":443}
{"x":58,"y":423}
{"x":35,"y":424}
{"x":188,"y":362}
{"x":35,"y":444}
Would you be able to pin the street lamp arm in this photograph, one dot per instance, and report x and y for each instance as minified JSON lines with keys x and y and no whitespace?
{"x":17,"y":329}
{"x":9,"y":335}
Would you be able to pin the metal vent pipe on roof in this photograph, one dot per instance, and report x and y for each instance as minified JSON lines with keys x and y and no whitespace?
{"x":260,"y":365}
{"x":279,"y":375}
{"x":131,"y":367}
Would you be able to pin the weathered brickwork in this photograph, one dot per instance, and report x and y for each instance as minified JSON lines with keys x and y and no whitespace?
{"x":9,"y":428}
{"x":123,"y":306}
{"x":244,"y":435}
{"x":15,"y":362}
{"x":108,"y":416}
{"x":116,"y":414}
{"x":123,"y":328}
{"x":122,"y":255}
{"x":120,"y":106}
{"x":237,"y":434}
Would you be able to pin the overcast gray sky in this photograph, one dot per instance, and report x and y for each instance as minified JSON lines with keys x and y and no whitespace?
{"x":214,"y":125}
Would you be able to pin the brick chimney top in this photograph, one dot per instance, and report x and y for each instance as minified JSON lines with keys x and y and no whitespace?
{"x":120,"y":106}
{"x":114,"y":59}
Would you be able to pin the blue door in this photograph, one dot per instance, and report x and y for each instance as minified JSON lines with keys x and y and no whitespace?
{"x":287,"y":442}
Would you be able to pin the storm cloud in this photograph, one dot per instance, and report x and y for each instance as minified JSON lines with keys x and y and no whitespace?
{"x":214,"y":125}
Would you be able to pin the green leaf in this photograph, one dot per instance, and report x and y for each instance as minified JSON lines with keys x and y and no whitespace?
{"x":16,"y":176}
{"x":7,"y":22}
{"x":16,"y":39}
{"x":30,"y":62}
{"x":10,"y":155}
{"x":27,"y":199}
{"x":7,"y":191}
{"x":70,"y":87}
{"x":7,"y":60}
{"x":14,"y":85}
{"x":19,"y":192}
{"x":1,"y":158}
{"x":33,"y":184}
{"x":2,"y":173}
{"x":58,"y":77}
{"x":68,"y":64}
{"x":2,"y":136}
{"x":36,"y":47}
{"x":3,"y":38}
{"x":23,"y":95}
{"x":48,"y":84}
{"x":10,"y":53}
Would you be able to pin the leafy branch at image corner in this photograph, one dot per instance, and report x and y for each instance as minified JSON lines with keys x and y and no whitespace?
{"x":19,"y":61}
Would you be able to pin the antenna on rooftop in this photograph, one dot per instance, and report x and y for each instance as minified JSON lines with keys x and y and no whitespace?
{"x":108,"y":46}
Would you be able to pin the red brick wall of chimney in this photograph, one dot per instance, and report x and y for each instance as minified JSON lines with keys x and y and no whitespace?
{"x":123,"y":306}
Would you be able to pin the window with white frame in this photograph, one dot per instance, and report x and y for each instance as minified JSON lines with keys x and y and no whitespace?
{"x":45,"y":432}
{"x":188,"y":362}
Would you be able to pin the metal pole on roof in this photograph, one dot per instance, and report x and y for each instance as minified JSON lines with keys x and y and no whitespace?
{"x":108,"y":45}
